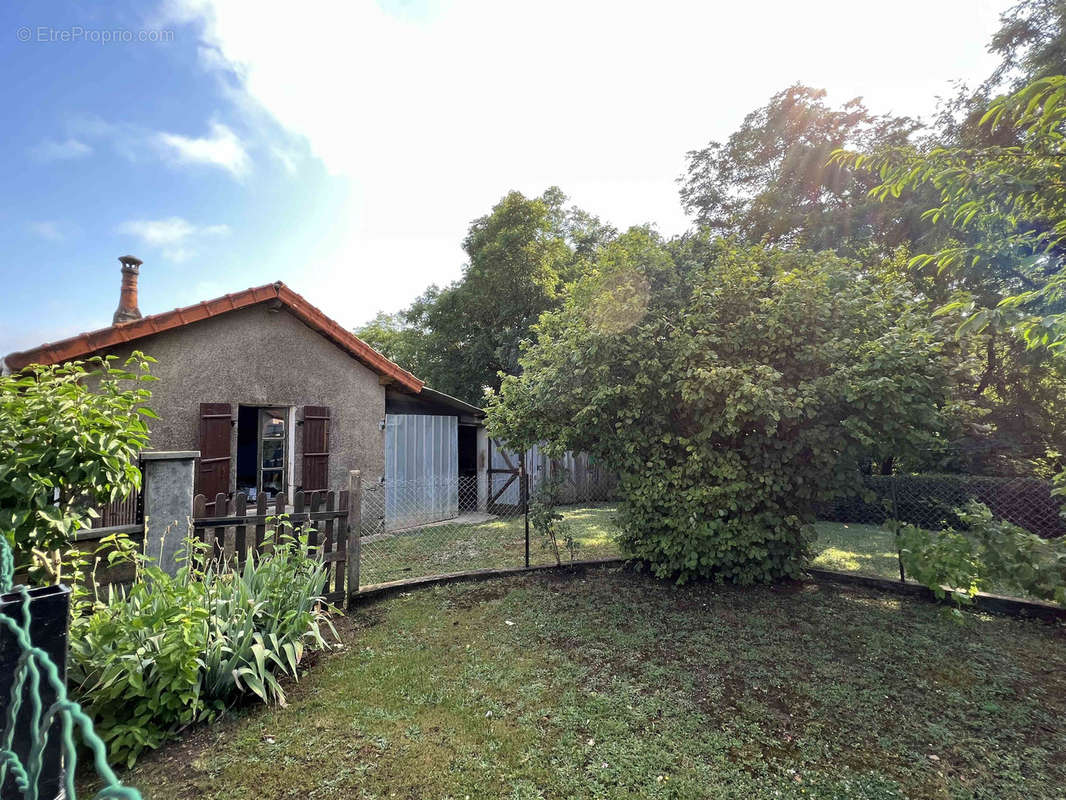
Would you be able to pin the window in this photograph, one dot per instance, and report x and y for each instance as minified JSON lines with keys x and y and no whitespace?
{"x":263,"y":450}
{"x":273,"y":439}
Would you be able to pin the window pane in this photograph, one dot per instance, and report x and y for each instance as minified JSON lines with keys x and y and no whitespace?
{"x":272,"y":481}
{"x":273,"y":454}
{"x":273,"y":427}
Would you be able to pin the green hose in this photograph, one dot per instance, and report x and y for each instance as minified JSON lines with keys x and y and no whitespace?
{"x":33,"y":665}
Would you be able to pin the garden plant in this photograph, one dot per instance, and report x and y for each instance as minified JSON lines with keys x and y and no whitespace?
{"x":70,"y":436}
{"x":173,"y":650}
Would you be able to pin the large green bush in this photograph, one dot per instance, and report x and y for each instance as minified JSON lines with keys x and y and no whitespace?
{"x":70,"y":436}
{"x":730,"y":389}
{"x":175,"y":650}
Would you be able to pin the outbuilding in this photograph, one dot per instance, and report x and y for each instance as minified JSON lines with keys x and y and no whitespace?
{"x":278,"y":398}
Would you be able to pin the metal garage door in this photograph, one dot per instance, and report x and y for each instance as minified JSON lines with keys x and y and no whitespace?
{"x":421,"y":469}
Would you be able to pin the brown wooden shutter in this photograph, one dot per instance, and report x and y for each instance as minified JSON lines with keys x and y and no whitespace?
{"x":316,"y":448}
{"x":213,"y":471}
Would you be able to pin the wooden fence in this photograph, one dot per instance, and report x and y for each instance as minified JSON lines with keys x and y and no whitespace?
{"x":125,"y":518}
{"x":333,"y":523}
{"x":122,"y":512}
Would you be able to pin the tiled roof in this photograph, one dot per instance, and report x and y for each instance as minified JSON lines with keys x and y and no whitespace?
{"x":85,"y":344}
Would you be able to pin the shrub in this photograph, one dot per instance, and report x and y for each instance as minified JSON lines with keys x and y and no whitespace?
{"x":984,"y":551}
{"x":730,"y":389}
{"x":548,"y":522}
{"x":70,"y":436}
{"x":174,"y":650}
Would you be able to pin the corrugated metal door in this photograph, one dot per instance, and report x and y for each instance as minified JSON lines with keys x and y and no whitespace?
{"x":421,"y":469}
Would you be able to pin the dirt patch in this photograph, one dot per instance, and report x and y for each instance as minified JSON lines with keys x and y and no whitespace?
{"x":367,"y":615}
{"x":480,"y":593}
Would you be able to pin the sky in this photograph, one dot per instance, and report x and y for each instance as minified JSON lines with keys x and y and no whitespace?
{"x":345,"y":147}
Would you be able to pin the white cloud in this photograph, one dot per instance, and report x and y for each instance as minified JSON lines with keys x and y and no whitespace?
{"x":222,"y":148}
{"x":52,"y":150}
{"x":433,"y":113}
{"x":175,"y":237}
{"x":48,"y":229}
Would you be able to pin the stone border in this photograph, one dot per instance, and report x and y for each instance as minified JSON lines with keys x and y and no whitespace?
{"x":376,"y":590}
{"x":983,"y":601}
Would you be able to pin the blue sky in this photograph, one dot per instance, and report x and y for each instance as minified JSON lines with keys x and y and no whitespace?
{"x":345,"y":147}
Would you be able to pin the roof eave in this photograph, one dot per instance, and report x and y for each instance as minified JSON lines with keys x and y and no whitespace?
{"x":91,"y":342}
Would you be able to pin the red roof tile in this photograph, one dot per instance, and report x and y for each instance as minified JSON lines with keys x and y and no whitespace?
{"x":95,"y":341}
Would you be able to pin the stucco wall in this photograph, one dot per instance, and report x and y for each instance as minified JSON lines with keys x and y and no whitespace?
{"x":260,"y":357}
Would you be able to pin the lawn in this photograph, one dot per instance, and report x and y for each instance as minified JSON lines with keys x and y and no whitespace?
{"x":453,"y":547}
{"x":850,"y":547}
{"x":611,"y":684}
{"x":501,"y":542}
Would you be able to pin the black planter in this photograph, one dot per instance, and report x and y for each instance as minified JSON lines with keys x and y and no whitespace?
{"x":49,"y":609}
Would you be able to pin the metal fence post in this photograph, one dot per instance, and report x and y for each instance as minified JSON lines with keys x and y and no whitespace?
{"x":354,"y":531}
{"x":525,"y":502}
{"x":895,"y":525}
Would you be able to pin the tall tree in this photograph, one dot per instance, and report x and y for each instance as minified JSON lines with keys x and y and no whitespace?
{"x":1006,"y":260}
{"x":770,"y":180}
{"x":461,"y":337}
{"x":1031,"y":43}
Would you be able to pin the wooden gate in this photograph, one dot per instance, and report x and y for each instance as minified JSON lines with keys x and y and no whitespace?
{"x":506,"y":474}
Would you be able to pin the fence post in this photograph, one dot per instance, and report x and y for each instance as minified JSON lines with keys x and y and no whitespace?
{"x":524,"y":477}
{"x":895,"y":526}
{"x":354,"y":531}
{"x":168,"y":494}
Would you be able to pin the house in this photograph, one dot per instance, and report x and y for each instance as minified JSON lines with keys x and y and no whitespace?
{"x":278,"y":398}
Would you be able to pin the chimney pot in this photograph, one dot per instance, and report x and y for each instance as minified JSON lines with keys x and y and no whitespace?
{"x":127,"y":310}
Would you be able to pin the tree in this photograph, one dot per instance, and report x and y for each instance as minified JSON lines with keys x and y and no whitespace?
{"x":396,"y":337}
{"x":770,"y":181}
{"x":1007,"y":206}
{"x":70,"y":436}
{"x":1031,"y":43}
{"x":730,"y":388}
{"x":461,"y":337}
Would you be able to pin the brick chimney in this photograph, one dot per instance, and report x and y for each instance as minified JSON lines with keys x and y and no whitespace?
{"x":127,"y":310}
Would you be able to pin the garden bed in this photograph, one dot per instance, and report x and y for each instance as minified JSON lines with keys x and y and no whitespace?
{"x":612,"y":684}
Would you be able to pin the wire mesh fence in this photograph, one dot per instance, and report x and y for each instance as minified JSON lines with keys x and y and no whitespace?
{"x":41,"y":728}
{"x":855,"y":533}
{"x":421,"y":529}
{"x":415,"y":529}
{"x":933,"y":501}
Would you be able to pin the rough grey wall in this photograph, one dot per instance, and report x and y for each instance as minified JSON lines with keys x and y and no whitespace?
{"x":168,"y":495}
{"x":260,"y":357}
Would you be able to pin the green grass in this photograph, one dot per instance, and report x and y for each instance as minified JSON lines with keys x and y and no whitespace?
{"x":850,"y":547}
{"x":871,"y":550}
{"x":447,"y":548}
{"x":615,"y":685}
